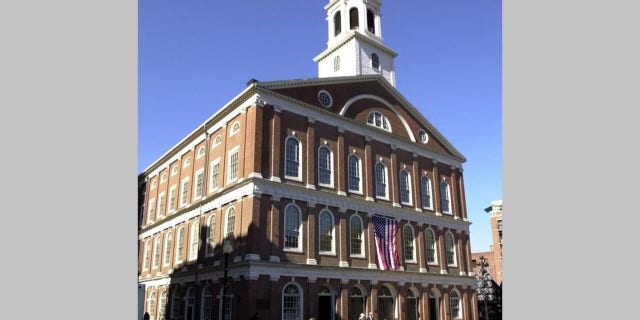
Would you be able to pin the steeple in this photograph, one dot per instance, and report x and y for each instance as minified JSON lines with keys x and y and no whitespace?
{"x":355,"y":45}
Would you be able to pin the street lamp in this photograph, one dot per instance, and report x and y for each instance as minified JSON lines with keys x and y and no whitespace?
{"x":484,"y":285}
{"x":227,"y":248}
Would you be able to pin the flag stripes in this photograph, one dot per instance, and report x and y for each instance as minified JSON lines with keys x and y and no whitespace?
{"x":385,"y":232}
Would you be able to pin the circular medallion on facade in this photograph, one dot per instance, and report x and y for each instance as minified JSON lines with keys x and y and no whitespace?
{"x":325,"y":98}
{"x":424,"y":138}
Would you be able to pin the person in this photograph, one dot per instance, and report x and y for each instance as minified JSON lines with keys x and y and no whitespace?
{"x":146,"y":316}
{"x":361,"y":317}
{"x":370,"y":316}
{"x":255,"y":316}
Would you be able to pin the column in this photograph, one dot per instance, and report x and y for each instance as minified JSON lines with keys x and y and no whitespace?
{"x":275,"y":238}
{"x":367,"y":169}
{"x":344,"y":299}
{"x":277,"y":158}
{"x":460,"y":251}
{"x":340,"y":167}
{"x":463,"y":201}
{"x":420,"y":248}
{"x":253,"y":140}
{"x":445,"y":305}
{"x":311,"y":168}
{"x":343,"y":237}
{"x":436,"y":189}
{"x":373,"y":305}
{"x":371,"y":243}
{"x":455,"y":205}
{"x":312,"y":298}
{"x":442,"y":252}
{"x":312,"y":234}
{"x":424,"y":302}
{"x":417,"y":191}
{"x":400,"y":244}
{"x":393,"y":178}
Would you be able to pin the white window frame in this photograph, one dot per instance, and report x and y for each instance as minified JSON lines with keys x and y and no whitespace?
{"x":300,"y":230}
{"x":217,"y":141}
{"x":351,"y":220}
{"x":214,"y":176}
{"x":457,"y":305}
{"x":358,"y":171}
{"x":146,"y":263}
{"x":332,"y":231}
{"x":329,"y":166}
{"x":236,"y":151}
{"x":235,"y":128}
{"x":173,"y":194}
{"x":163,"y":177}
{"x":201,"y":152}
{"x":166,"y":255}
{"x":386,"y":181}
{"x":161,"y":205}
{"x":198,"y":174}
{"x":229,"y":231}
{"x":300,"y":302}
{"x":184,"y":187}
{"x":211,"y":235}
{"x":450,"y":248}
{"x":206,"y":300}
{"x":179,"y":243}
{"x":435,"y":248}
{"x":186,"y":162}
{"x":379,"y":116}
{"x":154,"y":184}
{"x":194,"y":239}
{"x":413,"y":243}
{"x":445,"y":195}
{"x":151,"y":213}
{"x":174,"y":170}
{"x":297,"y":177}
{"x":408,"y":190}
{"x":162,"y":315}
{"x":155,"y":259}
{"x":423,"y":193}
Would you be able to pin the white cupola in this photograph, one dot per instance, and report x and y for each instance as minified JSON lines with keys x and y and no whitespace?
{"x":355,"y":44}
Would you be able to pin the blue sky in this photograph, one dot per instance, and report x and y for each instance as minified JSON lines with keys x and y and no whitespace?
{"x":196,"y":55}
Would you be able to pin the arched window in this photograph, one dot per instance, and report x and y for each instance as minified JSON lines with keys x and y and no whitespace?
{"x":156,"y":252}
{"x":355,"y":231}
{"x":151,"y":305}
{"x":163,"y":177}
{"x":409,"y":247}
{"x":230,"y":223}
{"x":228,"y":304}
{"x":167,"y":249}
{"x":292,"y":234}
{"x":375,"y":62}
{"x":412,"y":305}
{"x":211,"y":234}
{"x":162,"y":305}
{"x":147,"y":255}
{"x":405,"y":187}
{"x":354,"y":173}
{"x":195,"y":237}
{"x":386,"y":308}
{"x":235,"y":128}
{"x":381,"y":180}
{"x":430,"y":239}
{"x":337,"y":23}
{"x":425,"y":189}
{"x":353,"y":19}
{"x":326,"y":231}
{"x":450,"y":248}
{"x":370,"y":21}
{"x":190,"y":304}
{"x":291,"y":302}
{"x":292,"y":158}
{"x":175,"y":304}
{"x":444,"y":196}
{"x":174,"y":170}
{"x":180,"y":244}
{"x":201,"y":151}
{"x":377,"y":119}
{"x":454,"y":304}
{"x":357,"y":303}
{"x":207,"y":298}
{"x":217,"y":140}
{"x":325,"y":165}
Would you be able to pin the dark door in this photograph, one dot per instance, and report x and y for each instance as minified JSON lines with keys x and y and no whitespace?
{"x":324,"y":308}
{"x":412,"y":309}
{"x":433,"y":309}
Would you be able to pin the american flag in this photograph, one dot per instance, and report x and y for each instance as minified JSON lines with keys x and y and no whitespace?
{"x":386,"y":242}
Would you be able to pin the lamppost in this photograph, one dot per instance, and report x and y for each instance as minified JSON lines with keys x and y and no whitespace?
{"x":227,"y":248}
{"x":485,"y":285}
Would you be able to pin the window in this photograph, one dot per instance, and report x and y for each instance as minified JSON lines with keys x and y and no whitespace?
{"x":180,"y":244}
{"x":195,"y":237}
{"x":292,"y":158}
{"x":217,"y":140}
{"x":172,"y":198}
{"x":228,"y":303}
{"x":201,"y":151}
{"x":454,"y":304}
{"x":154,"y":184}
{"x":230,"y":223}
{"x":215,"y":172}
{"x":156,"y":252}
{"x":174,"y":170}
{"x":377,"y":119}
{"x":424,"y":138}
{"x":292,"y":234}
{"x":162,"y":305}
{"x":161,"y":201}
{"x":425,"y":189}
{"x":336,"y":63}
{"x":354,"y":173}
{"x":186,"y":162}
{"x":337,"y":23}
{"x":233,"y":165}
{"x":357,"y":303}
{"x":147,"y":255}
{"x":325,"y":164}
{"x":207,"y":298}
{"x":163,"y":177}
{"x":409,"y":248}
{"x":381,"y":180}
{"x":405,"y":187}
{"x":291,"y":303}
{"x":375,"y":62}
{"x":151,"y":305}
{"x":152,"y":210}
{"x":211,"y":234}
{"x":235,"y":128}
{"x":451,"y":249}
{"x":185,"y":192}
{"x":326,"y":231}
{"x":370,"y":22}
{"x":444,"y":197}
{"x":189,"y":303}
{"x":167,"y":249}
{"x":324,"y":97}
{"x":197,"y":193}
{"x":355,"y":231}
{"x":353,"y":19}
{"x":175,"y":304}
{"x":430,"y":238}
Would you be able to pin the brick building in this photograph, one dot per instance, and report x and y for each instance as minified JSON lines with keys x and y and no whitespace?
{"x":295,"y":172}
{"x":494,"y":255}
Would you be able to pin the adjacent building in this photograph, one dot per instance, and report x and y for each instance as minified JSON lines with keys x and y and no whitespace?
{"x":335,"y":194}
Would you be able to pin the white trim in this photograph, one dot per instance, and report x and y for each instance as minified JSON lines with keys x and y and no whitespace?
{"x":330,"y":165}
{"x":387,"y":104}
{"x":300,"y":153}
{"x":184,"y":197}
{"x":195,"y":196}
{"x":333,"y":233}
{"x":212,"y":164}
{"x":232,"y":151}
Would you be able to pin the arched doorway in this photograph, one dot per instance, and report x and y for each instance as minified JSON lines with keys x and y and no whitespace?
{"x":356,"y":303}
{"x":434,"y":305}
{"x":326,"y":303}
{"x":385,"y":304}
{"x":412,"y":305}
